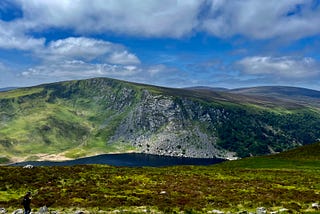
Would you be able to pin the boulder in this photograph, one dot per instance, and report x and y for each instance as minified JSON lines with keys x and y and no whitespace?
{"x":43,"y":210}
{"x":283,"y":210}
{"x":243,"y":212}
{"x":261,"y":210}
{"x":18,"y":211}
{"x":217,"y":212}
{"x":315,"y":206}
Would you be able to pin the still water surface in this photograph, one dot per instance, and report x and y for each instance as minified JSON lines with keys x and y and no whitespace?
{"x":128,"y":159}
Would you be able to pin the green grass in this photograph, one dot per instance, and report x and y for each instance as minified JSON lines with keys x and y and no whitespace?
{"x":285,"y":180}
{"x":75,"y":116}
{"x":20,"y":92}
{"x":304,"y":158}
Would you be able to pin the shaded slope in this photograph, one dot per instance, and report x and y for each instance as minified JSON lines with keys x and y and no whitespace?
{"x":101,"y":115}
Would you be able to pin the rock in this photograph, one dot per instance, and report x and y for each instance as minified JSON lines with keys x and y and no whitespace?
{"x":315,"y":206}
{"x":282,"y":210}
{"x":3,"y":210}
{"x":43,"y":210}
{"x":261,"y":210}
{"x":19,"y":211}
{"x":163,"y":192}
{"x":79,"y":212}
{"x":243,"y":212}
{"x":217,"y":212}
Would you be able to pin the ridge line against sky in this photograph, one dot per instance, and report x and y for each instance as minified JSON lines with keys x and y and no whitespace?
{"x":174,"y":43}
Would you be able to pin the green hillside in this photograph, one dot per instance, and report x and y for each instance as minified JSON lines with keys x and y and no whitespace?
{"x":87,"y":117}
{"x":305,"y":157}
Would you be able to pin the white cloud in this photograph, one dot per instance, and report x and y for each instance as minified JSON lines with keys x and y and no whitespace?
{"x":262,"y":19}
{"x":87,"y":49}
{"x":280,"y":67}
{"x":292,"y":19}
{"x":81,"y":57}
{"x":79,"y":47}
{"x":78,"y":58}
{"x":76,"y":69}
{"x":169,"y":18}
{"x":123,"y":58}
{"x":13,"y":37}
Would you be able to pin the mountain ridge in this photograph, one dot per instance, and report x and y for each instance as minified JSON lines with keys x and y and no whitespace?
{"x":7,"y":89}
{"x":101,"y":115}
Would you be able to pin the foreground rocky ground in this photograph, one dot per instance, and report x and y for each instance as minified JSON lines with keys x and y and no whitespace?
{"x":314,"y":208}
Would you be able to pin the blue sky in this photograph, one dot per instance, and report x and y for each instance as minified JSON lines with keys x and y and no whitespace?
{"x":174,"y":43}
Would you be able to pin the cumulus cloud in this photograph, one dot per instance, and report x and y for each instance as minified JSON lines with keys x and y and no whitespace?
{"x":85,"y":56}
{"x":12,"y":36}
{"x":79,"y":47}
{"x":173,"y":18}
{"x":81,"y":57}
{"x":87,"y":49}
{"x":123,"y":58}
{"x":262,"y":20}
{"x":292,"y":19}
{"x":280,"y":67}
{"x":77,"y":69}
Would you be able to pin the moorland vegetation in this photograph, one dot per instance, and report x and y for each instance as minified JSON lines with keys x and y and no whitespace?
{"x":289,"y":180}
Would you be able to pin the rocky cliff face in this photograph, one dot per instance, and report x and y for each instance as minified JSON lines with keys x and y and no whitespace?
{"x":163,"y":125}
{"x":102,"y":115}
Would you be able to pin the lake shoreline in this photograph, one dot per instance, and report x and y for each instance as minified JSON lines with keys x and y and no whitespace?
{"x":132,"y":159}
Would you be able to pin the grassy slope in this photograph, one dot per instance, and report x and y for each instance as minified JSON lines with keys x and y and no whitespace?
{"x":55,"y":118}
{"x":288,"y":180}
{"x":300,"y":158}
{"x":77,"y":118}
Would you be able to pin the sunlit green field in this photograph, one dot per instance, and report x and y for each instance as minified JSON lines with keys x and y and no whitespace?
{"x":288,"y":180}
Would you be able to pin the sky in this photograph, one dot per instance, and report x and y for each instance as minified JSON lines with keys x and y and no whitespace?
{"x":172,"y":43}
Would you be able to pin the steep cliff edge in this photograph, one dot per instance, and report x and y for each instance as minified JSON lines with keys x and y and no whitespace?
{"x":101,"y":115}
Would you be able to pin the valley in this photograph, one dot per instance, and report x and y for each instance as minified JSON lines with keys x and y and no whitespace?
{"x":77,"y":119}
{"x":81,"y":118}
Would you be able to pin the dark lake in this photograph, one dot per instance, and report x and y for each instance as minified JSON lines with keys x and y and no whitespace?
{"x":128,"y":159}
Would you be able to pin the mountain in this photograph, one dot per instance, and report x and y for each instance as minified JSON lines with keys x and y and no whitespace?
{"x":87,"y":117}
{"x":282,"y":91}
{"x":7,"y":89}
{"x":300,"y":95}
{"x":207,"y":88}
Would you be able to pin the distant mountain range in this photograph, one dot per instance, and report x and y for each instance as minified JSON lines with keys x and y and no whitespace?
{"x":7,"y":88}
{"x":80,"y":118}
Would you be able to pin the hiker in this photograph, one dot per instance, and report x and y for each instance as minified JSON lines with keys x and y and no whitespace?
{"x":26,"y":203}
